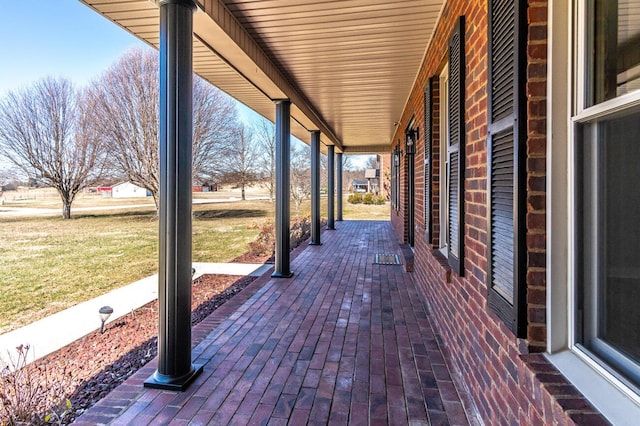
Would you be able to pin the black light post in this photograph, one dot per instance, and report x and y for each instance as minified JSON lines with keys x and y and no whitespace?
{"x":104,"y":312}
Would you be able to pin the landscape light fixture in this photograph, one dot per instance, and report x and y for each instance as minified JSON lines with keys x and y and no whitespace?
{"x":105,"y":312}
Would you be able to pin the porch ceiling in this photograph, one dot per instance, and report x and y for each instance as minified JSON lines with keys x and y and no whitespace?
{"x":347,"y":65}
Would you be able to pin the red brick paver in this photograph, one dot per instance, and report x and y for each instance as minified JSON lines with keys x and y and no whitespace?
{"x":343,"y":341}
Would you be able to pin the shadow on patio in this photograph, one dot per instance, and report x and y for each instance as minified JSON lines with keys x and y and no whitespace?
{"x":342,"y":341}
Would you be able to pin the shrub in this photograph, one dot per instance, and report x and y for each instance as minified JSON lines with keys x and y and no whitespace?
{"x":27,"y":393}
{"x":300,"y":230}
{"x":265,"y":242}
{"x":355,"y":198}
{"x":379,"y":199}
{"x":368,"y":198}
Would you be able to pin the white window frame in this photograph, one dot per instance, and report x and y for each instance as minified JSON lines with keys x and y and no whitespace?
{"x":618,"y":402}
{"x":443,"y":102}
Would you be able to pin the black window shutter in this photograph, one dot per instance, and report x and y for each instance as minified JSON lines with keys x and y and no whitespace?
{"x":393,"y":180}
{"x":506,"y":153}
{"x":398,"y":178}
{"x":455,"y":151}
{"x":428,"y":138}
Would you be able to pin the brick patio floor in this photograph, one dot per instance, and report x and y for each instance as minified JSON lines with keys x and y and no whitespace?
{"x":344,"y":341}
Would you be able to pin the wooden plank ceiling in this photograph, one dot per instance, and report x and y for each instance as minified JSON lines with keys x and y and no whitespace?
{"x":347,"y":65}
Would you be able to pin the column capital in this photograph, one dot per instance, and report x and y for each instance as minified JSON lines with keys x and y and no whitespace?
{"x":188,"y":3}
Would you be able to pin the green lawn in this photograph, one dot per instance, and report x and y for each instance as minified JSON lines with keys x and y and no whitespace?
{"x":48,"y":264}
{"x":365,"y":211}
{"x":349,"y":211}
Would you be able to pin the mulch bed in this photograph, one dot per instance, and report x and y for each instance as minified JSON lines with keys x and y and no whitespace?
{"x":86,"y":370}
{"x":99,"y":358}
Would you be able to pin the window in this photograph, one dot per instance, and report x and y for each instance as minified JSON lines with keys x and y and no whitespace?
{"x":444,"y":105}
{"x":506,"y":149}
{"x":606,"y":210}
{"x":572,"y":120}
{"x":444,"y":159}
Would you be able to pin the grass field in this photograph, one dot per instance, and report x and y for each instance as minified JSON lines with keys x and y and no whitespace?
{"x":48,"y":264}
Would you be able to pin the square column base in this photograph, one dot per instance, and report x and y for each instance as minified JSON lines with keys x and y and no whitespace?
{"x":178,"y":385}
{"x":282,"y":275}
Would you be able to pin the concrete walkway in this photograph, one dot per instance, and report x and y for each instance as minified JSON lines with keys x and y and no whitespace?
{"x":58,"y":330}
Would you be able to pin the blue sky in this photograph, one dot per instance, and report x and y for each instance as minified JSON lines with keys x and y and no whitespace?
{"x":60,"y":38}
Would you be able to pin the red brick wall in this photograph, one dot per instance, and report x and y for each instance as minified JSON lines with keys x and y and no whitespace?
{"x":508,"y":385}
{"x":536,"y":174}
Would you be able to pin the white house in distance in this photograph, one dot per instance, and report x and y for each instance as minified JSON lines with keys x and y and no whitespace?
{"x":129,"y":190}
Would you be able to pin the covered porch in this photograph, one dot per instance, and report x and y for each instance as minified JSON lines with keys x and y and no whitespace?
{"x":345,"y":340}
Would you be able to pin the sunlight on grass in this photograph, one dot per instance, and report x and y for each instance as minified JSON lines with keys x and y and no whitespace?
{"x":366,"y":211}
{"x":349,"y":211}
{"x":49,"y":264}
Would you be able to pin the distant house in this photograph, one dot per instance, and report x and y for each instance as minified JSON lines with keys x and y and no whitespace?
{"x":129,"y":190}
{"x":205,"y":187}
{"x":105,"y":191}
{"x":359,"y":185}
{"x":373,"y":180}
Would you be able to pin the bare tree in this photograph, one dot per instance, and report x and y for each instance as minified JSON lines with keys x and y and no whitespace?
{"x":264,"y":132}
{"x":127,"y":111}
{"x":347,"y":162}
{"x":241,"y":159}
{"x":324,"y":170}
{"x":300,"y":174}
{"x":126,"y":98}
{"x":372,"y":162}
{"x":215,"y":122}
{"x":347,"y":165}
{"x":45,"y":131}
